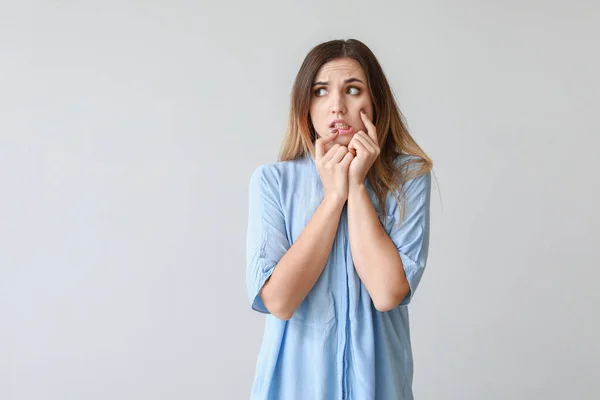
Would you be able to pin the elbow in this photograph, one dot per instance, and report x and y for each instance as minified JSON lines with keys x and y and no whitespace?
{"x":283,"y":315}
{"x":277,"y":304}
{"x":278,"y":308}
{"x":391,"y":300}
{"x":386,"y":305}
{"x":280,"y":312}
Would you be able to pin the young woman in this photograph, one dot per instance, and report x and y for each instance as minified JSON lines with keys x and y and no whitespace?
{"x":338,"y":236}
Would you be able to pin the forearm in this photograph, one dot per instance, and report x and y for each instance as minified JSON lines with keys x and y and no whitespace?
{"x":300,"y":267}
{"x":376,"y":258}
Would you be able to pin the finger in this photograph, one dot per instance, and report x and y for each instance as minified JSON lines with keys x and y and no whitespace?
{"x":357,"y":145}
{"x":371,"y":130}
{"x":331,"y":152}
{"x":339,"y":154}
{"x":321,"y":142}
{"x":373,"y":146}
{"x":347,"y":160}
{"x":351,"y":147}
{"x":366,"y":137}
{"x":365,"y":140}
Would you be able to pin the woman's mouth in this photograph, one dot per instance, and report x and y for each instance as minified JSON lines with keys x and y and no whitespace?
{"x":343,"y":129}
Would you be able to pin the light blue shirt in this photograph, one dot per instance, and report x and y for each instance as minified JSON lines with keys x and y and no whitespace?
{"x":336,"y":345}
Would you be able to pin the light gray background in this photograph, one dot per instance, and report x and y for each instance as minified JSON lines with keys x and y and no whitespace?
{"x":129,"y":130}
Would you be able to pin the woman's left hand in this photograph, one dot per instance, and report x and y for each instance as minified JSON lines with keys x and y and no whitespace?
{"x":366,"y":150}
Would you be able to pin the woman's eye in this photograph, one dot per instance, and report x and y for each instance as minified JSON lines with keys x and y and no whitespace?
{"x":351,"y":90}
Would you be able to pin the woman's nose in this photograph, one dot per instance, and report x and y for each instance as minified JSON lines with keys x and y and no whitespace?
{"x":337,"y":104}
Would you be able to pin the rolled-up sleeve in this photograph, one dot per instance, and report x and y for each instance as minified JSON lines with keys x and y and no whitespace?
{"x":266,"y":240}
{"x":411,"y":237}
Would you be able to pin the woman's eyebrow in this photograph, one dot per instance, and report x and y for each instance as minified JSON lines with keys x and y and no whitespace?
{"x":345,"y":82}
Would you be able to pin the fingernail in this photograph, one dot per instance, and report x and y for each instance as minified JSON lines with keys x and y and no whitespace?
{"x":362,"y":111}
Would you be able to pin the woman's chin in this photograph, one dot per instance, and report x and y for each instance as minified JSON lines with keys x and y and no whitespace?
{"x":343,"y":140}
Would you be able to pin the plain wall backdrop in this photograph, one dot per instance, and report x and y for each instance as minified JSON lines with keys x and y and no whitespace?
{"x":128,"y":133}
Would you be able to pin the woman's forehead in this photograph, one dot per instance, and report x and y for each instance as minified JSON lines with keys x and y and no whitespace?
{"x":340,"y":69}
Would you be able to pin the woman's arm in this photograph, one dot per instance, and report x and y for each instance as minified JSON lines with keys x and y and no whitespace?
{"x":375,"y":256}
{"x":390,"y":264}
{"x":300,"y":267}
{"x":280,"y":275}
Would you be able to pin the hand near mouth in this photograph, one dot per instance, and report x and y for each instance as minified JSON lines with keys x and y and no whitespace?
{"x":365,"y":148}
{"x":333,"y":165}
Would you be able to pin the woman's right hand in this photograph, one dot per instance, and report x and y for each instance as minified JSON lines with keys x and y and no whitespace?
{"x":333,"y":167}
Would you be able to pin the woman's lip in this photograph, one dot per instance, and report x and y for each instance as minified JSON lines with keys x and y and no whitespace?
{"x":348,"y":131}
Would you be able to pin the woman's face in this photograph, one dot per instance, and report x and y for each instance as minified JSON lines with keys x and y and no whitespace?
{"x":339,"y":92}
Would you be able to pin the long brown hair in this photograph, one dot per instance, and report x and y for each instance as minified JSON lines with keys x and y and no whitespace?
{"x":394,"y":138}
